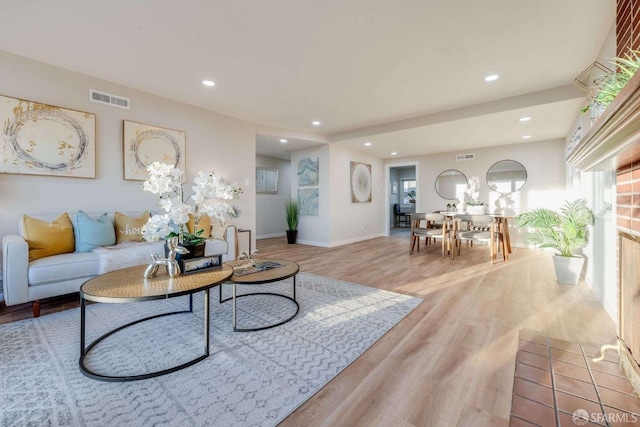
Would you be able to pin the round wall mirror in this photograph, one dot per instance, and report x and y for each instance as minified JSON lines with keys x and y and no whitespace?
{"x":451,"y":184}
{"x":506,"y":176}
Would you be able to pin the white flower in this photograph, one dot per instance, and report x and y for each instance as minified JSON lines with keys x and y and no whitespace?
{"x":156,"y":228}
{"x":166,"y":181}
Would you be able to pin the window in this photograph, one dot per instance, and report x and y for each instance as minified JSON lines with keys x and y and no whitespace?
{"x":408,"y":192}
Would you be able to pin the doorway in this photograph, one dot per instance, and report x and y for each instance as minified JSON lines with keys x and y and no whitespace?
{"x":403,"y":196}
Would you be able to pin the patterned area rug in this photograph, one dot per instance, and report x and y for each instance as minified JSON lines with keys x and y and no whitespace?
{"x":250,"y":378}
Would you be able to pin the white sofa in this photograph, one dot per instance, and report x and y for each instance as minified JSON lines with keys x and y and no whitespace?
{"x":25,"y":281}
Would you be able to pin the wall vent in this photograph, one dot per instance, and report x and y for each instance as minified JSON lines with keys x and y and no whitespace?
{"x":108,"y":99}
{"x":460,"y":157}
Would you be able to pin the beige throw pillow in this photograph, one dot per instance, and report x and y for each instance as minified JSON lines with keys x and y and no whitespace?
{"x":129,"y":229}
{"x":48,"y":238}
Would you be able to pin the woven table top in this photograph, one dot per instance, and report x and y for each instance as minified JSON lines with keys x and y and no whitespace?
{"x":129,"y":284}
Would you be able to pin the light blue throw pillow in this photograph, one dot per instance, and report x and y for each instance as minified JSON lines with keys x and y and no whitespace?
{"x":91,"y":233}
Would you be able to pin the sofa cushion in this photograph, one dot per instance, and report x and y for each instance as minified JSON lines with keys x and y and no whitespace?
{"x":129,"y":229}
{"x":215,"y":247}
{"x":127,"y":254}
{"x":58,"y":268}
{"x":91,"y":233}
{"x":48,"y":238}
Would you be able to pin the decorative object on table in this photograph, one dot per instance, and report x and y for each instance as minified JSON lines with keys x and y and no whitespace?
{"x":255,"y":267}
{"x":360,"y":182}
{"x":412,"y":196}
{"x":173,"y":268}
{"x":292,"y":211}
{"x":248,"y":257}
{"x":470,"y":203}
{"x":308,"y":201}
{"x":564,"y":231}
{"x":145,"y":144}
{"x":210,"y":192}
{"x":41,"y":139}
{"x":308,"y":171}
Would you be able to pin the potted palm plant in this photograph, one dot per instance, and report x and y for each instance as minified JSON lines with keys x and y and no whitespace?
{"x":564,"y":231}
{"x":292,"y":211}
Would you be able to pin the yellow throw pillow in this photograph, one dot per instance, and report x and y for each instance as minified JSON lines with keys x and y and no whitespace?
{"x":129,"y":229}
{"x":203,"y":224}
{"x":48,"y":238}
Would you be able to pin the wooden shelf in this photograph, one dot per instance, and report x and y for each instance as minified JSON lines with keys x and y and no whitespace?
{"x":613,"y":141}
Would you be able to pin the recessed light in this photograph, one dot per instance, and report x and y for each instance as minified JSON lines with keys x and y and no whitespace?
{"x":394,"y":154}
{"x":525,"y":119}
{"x":491,"y":78}
{"x":209,"y":83}
{"x":315,"y":123}
{"x":526,"y":137}
{"x":368,"y":144}
{"x":284,"y":141}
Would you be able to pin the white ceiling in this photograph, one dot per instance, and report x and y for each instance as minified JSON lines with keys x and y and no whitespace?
{"x":369,"y":70}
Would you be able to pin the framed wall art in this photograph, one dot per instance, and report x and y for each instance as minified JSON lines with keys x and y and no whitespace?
{"x":145,"y":144}
{"x":309,"y":201}
{"x":41,"y":139}
{"x":360,"y":182}
{"x":308,"y":171}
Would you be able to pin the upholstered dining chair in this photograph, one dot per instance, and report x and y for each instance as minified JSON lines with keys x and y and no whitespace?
{"x":482,"y":229}
{"x":445,"y":233}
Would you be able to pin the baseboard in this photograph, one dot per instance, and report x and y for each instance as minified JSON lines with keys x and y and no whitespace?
{"x":269,"y":236}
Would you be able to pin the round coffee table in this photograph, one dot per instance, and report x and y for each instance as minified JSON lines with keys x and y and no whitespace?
{"x":128,"y":285}
{"x":286,"y":270}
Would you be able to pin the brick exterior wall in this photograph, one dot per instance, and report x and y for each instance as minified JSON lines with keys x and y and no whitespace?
{"x":627,"y":26}
{"x":628,"y":199}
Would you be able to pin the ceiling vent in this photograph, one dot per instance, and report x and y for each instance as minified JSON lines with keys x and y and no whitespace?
{"x":460,"y":157}
{"x":108,"y":99}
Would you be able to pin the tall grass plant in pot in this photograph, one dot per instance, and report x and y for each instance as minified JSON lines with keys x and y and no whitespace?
{"x":565,"y":231}
{"x":292,"y":211}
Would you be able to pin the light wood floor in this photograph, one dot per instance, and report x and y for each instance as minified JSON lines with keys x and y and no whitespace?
{"x":451,"y":361}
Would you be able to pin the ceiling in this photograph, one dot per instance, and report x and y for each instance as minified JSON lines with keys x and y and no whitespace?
{"x":406,"y":76}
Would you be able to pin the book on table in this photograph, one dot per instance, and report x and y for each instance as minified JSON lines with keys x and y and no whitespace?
{"x":255,"y":267}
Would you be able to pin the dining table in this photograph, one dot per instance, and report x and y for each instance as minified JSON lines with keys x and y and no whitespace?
{"x":502,"y":222}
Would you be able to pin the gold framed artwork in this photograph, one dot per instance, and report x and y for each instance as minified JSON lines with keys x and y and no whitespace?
{"x":360,"y":182}
{"x":41,"y":139}
{"x":145,"y":144}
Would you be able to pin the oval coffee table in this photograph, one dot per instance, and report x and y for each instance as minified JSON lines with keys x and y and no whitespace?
{"x":128,"y":285}
{"x":287,"y":270}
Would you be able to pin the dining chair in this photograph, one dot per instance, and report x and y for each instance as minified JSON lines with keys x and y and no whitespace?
{"x":400,"y":218}
{"x":444,"y":233}
{"x":482,"y":229}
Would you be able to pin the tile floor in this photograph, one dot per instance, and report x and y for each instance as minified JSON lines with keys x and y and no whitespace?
{"x":556,"y":381}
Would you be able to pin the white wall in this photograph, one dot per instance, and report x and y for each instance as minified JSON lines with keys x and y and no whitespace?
{"x":270,"y":217}
{"x":213,"y":141}
{"x":352,"y":222}
{"x":545,"y":186}
{"x":312,"y":229}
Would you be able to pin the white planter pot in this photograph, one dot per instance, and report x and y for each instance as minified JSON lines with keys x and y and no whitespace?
{"x":475,"y":210}
{"x":568,"y":269}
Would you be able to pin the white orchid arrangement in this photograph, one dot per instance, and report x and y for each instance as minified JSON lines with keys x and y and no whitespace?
{"x":472,"y":193}
{"x":210,"y":192}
